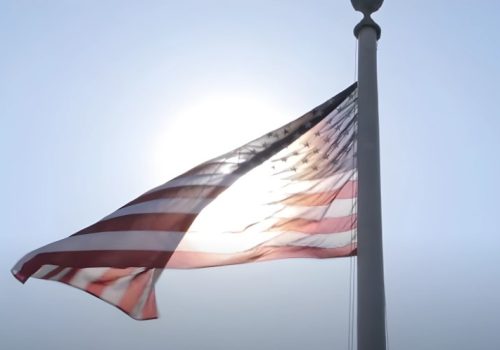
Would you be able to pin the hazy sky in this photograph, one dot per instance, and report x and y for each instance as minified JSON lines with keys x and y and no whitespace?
{"x":103,"y":100}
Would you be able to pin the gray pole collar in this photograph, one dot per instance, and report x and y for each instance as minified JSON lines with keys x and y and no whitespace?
{"x":367,"y":7}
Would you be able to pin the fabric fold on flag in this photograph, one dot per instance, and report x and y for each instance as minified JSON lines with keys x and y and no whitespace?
{"x":288,"y":194}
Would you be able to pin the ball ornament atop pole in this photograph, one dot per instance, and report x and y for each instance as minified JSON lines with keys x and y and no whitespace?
{"x":367,"y":7}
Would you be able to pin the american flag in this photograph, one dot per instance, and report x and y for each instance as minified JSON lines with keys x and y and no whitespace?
{"x":288,"y":194}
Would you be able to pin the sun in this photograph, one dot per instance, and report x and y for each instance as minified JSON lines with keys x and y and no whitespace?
{"x":212,"y":125}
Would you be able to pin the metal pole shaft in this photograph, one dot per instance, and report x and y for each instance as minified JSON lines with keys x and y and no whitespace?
{"x":371,"y":296}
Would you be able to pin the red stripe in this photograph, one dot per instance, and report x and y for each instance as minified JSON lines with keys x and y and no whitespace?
{"x":135,"y":290}
{"x":149,"y":310}
{"x":107,"y":258}
{"x":327,"y":225}
{"x":349,"y":190}
{"x":68,"y":276}
{"x":160,"y":259}
{"x":19,"y":277}
{"x":194,"y":191}
{"x":143,"y":222}
{"x":52,"y":273}
{"x":97,"y":286}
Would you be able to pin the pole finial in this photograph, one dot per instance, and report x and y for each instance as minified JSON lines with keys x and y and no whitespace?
{"x":367,"y":7}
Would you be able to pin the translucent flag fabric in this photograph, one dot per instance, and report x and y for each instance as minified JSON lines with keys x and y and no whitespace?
{"x":288,"y":194}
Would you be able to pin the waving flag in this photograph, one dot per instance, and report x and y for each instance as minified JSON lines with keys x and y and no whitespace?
{"x":290,"y":193}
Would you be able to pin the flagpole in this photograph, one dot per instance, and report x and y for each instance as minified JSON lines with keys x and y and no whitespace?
{"x":371,"y":333}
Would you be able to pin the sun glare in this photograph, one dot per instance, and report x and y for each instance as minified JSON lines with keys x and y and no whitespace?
{"x":213,"y":125}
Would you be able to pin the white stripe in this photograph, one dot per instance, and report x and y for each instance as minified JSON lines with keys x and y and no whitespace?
{"x":223,"y":242}
{"x":227,"y":243}
{"x":338,"y":208}
{"x":213,"y":242}
{"x":324,"y":240}
{"x":61,"y":274}
{"x":166,"y":205}
{"x":342,"y":207}
{"x":87,"y":275}
{"x":262,"y":188}
{"x":44,"y":270}
{"x":113,"y":240}
{"x":206,"y":180}
{"x":321,"y":185}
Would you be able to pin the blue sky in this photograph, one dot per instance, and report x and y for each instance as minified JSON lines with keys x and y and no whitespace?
{"x":100,"y":101}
